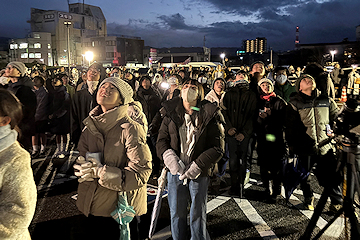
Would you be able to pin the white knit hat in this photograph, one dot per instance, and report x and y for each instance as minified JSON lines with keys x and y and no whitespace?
{"x":268,"y":81}
{"x":124,"y":88}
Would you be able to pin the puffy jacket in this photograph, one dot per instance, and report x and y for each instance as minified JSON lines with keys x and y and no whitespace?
{"x":209,"y":137}
{"x":127,"y":158}
{"x":239,"y":105}
{"x":306,"y":120}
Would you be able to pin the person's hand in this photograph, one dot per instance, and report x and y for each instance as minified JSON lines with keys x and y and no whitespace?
{"x":239,"y":137}
{"x":173,"y":162}
{"x":192,"y":173}
{"x":88,"y":170}
{"x":262,"y":115}
{"x":231,"y":131}
{"x":51,"y":116}
{"x":268,"y":111}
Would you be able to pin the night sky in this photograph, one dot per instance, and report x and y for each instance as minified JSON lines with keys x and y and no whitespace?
{"x":225,"y":23}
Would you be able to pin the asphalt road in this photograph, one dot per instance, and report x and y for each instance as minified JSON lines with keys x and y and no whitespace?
{"x":57,"y":217}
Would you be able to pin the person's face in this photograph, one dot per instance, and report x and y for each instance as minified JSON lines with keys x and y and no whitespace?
{"x":93,"y":74}
{"x":146,"y":83}
{"x":10,"y":71}
{"x":108,"y":97}
{"x":306,"y":84}
{"x":188,"y":87}
{"x":258,"y":67}
{"x":37,"y":84}
{"x":62,"y":69}
{"x":65,"y":80}
{"x":219,"y":86}
{"x":280,"y":72}
{"x":182,"y":74}
{"x":265,"y":87}
{"x":240,"y":76}
{"x":84,"y":76}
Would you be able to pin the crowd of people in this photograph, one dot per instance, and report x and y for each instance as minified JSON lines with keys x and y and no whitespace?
{"x":127,"y":126}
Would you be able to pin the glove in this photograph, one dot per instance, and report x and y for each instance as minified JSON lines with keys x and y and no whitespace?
{"x":88,"y":169}
{"x":173,"y":162}
{"x":192,"y":173}
{"x":82,"y":166}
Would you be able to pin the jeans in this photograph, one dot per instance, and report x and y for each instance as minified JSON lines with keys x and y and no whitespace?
{"x":179,"y":196}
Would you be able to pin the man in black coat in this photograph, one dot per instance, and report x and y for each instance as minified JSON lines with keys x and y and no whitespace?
{"x":239,"y":106}
{"x":21,"y":86}
{"x":85,"y":100}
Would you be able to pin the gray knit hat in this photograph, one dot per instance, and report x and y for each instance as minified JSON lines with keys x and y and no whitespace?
{"x":124,"y":88}
{"x":19,"y":66}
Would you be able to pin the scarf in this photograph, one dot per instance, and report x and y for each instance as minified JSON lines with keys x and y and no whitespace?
{"x":267,"y":97}
{"x":7,"y":136}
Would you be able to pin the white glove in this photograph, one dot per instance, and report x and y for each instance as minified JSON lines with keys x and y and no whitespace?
{"x":88,"y":169}
{"x":173,"y":162}
{"x":82,"y":166}
{"x":192,"y":173}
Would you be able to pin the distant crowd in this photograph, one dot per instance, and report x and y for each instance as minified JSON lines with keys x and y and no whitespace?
{"x":129,"y":124}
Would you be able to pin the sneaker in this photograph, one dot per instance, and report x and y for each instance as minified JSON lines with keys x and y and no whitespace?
{"x":335,"y":207}
{"x":34,"y":154}
{"x":309,"y":203}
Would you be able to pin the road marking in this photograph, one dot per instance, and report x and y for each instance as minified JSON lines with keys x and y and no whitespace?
{"x":260,"y":225}
{"x":335,"y":228}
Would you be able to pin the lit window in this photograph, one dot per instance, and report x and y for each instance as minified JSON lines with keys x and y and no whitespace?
{"x":49,"y":55}
{"x":24,"y":55}
{"x":93,"y":44}
{"x":23,"y":45}
{"x":36,"y":35}
{"x":31,"y":55}
{"x":12,"y":46}
{"x":49,"y":46}
{"x":31,"y":45}
{"x":37,"y":55}
{"x":37,"y":45}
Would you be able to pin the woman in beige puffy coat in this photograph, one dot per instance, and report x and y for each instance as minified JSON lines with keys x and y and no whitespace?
{"x":116,"y":132}
{"x":17,"y":186}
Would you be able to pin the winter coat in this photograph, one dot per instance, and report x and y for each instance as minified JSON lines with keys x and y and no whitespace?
{"x":353,"y":86}
{"x":209,"y":136}
{"x":239,"y":106}
{"x":42,"y":107}
{"x":150,"y":102}
{"x":336,"y":74}
{"x":126,"y":155}
{"x":306,"y":120}
{"x":17,"y":191}
{"x":270,"y":151}
{"x":213,"y":97}
{"x":82,"y":103}
{"x":60,"y":111}
{"x":284,"y":91}
{"x":23,"y":91}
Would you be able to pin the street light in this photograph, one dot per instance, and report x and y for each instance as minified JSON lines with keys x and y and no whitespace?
{"x":67,"y":24}
{"x":332,"y":52}
{"x":89,"y":56}
{"x":222,"y":55}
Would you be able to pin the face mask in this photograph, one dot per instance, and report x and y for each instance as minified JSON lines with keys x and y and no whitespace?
{"x":189,"y":95}
{"x":281,"y":79}
{"x":202,"y":80}
{"x":240,"y":81}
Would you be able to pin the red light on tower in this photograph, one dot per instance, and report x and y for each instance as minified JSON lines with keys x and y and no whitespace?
{"x":297,"y":38}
